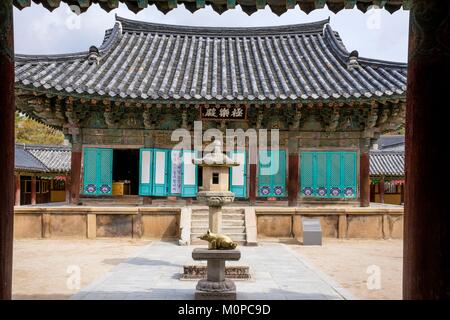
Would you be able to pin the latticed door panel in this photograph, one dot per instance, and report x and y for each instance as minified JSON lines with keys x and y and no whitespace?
{"x":334,"y":174}
{"x":90,"y":171}
{"x":349,"y":176}
{"x":272,"y":173}
{"x":307,"y":173}
{"x":279,"y":178}
{"x":328,"y":174}
{"x":264,"y":173}
{"x":98,"y":164}
{"x":321,"y":186}
{"x":105,"y":161}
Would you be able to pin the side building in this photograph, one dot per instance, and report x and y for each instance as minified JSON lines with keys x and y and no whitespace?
{"x":42,"y":173}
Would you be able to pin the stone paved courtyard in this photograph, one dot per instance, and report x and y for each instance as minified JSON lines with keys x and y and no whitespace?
{"x":278,"y":273}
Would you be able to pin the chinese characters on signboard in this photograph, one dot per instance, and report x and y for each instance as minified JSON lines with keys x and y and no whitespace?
{"x":176,"y":172}
{"x":222,"y":112}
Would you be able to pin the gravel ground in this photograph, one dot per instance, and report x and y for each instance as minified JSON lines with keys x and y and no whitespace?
{"x":369,"y":269}
{"x":49,"y":269}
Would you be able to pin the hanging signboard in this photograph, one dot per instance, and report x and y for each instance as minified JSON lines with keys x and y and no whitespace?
{"x":223,"y":112}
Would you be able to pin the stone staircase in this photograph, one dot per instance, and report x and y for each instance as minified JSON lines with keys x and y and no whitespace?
{"x":233,"y":224}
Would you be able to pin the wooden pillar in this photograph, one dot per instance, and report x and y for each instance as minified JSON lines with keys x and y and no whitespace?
{"x":364,"y":179}
{"x":252,"y":183}
{"x":75,"y":171}
{"x":293,"y":172}
{"x":67,"y":188}
{"x":402,"y":193}
{"x":17,"y":197}
{"x":372,"y":192}
{"x":33,"y":190}
{"x":426,"y":262}
{"x":7,"y":109}
{"x":381,"y":188}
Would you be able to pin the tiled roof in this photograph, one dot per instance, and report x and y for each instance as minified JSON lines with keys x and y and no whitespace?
{"x":150,"y":61}
{"x":43,"y":158}
{"x":25,"y":161}
{"x":248,"y":6}
{"x":387,"y":163}
{"x":391,"y":143}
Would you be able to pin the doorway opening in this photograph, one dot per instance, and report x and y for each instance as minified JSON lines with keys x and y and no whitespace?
{"x":125,"y":171}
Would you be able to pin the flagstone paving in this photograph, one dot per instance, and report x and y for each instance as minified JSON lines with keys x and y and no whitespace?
{"x":278,"y":273}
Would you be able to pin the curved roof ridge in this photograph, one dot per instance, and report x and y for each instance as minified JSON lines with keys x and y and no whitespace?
{"x":342,"y":52}
{"x":111,"y":36}
{"x":143,"y":26}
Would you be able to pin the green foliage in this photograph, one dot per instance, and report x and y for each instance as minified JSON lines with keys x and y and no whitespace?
{"x":30,"y":131}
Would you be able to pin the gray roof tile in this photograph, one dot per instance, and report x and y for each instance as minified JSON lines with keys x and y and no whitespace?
{"x":43,"y":158}
{"x":153,"y":61}
{"x":387,"y":163}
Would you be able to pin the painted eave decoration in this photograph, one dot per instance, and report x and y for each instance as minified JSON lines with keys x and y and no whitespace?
{"x":220,"y":6}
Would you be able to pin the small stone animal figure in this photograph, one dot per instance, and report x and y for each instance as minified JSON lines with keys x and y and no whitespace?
{"x":218,"y":241}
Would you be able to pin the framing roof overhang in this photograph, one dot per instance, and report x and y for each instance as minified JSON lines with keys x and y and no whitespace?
{"x":220,"y":6}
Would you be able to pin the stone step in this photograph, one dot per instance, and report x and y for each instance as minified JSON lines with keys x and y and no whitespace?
{"x":238,"y":237}
{"x":224,"y":211}
{"x":225,"y":216}
{"x":225,"y":229}
{"x":226,"y":222}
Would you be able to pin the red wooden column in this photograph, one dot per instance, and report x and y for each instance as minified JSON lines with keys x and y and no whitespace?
{"x":426,"y":259}
{"x":364,"y":179}
{"x":75,"y":173}
{"x":293,"y":172}
{"x":67,"y":187}
{"x":7,"y":109}
{"x":17,"y":197}
{"x":381,"y":189}
{"x":372,"y":192}
{"x":33,"y":190}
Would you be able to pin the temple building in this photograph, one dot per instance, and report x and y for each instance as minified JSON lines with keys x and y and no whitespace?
{"x":120,"y":102}
{"x":41,"y":172}
{"x":387,"y":170}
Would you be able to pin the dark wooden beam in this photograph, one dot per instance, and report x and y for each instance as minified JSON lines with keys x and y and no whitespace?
{"x":75,"y":173}
{"x":17,"y":185}
{"x":426,"y":259}
{"x":33,"y":190}
{"x":381,"y":188}
{"x":252,"y":183}
{"x":7,"y":109}
{"x":364,"y":179}
{"x":293,"y":183}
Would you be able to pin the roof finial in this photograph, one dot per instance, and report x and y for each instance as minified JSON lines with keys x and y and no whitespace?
{"x":94,"y":55}
{"x":353,"y":60}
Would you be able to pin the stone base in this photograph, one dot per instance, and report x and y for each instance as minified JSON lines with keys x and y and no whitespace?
{"x":212,"y":290}
{"x":200,"y":272}
{"x":202,"y":295}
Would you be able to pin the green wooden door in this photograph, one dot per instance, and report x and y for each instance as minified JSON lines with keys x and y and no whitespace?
{"x":189,"y":185}
{"x":328,"y":174}
{"x":145,"y":172}
{"x":161,"y":172}
{"x":98,"y":164}
{"x":272,"y":173}
{"x":238,"y":174}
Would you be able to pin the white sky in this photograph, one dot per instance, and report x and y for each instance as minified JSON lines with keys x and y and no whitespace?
{"x":375,"y":34}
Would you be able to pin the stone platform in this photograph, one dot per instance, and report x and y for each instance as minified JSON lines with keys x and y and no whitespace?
{"x":155,"y":271}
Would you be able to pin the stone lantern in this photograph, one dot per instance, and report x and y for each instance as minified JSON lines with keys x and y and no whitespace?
{"x":215,"y":191}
